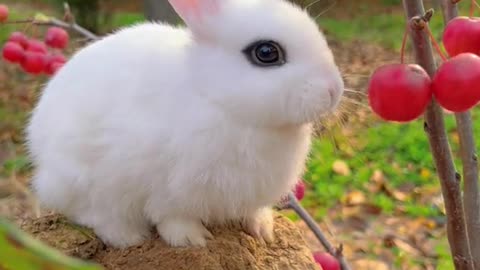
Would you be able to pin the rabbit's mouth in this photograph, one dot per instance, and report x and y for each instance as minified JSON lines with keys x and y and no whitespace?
{"x":315,"y":100}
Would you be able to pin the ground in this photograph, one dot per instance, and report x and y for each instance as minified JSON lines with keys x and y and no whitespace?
{"x":370,"y":184}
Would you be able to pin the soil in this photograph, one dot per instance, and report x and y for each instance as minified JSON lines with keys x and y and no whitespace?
{"x":231,"y":248}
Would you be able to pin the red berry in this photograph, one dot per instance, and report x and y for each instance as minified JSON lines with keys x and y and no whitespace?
{"x":53,"y":63}
{"x":326,"y":261}
{"x":55,"y":67}
{"x":399,"y":92}
{"x":3,"y":13}
{"x":34,"y":62}
{"x":300,"y":190}
{"x":13,"y":52}
{"x":36,"y":46}
{"x":56,"y":37}
{"x":462,"y":35}
{"x":19,"y":38}
{"x":456,"y":85}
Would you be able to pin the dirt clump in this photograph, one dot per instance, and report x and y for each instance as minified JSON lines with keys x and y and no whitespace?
{"x":231,"y":248}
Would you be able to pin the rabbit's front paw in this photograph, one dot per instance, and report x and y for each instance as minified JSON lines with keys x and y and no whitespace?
{"x":260,"y":225}
{"x":122,"y":235}
{"x":182,"y":232}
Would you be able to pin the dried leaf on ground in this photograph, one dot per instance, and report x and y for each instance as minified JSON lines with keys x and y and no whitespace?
{"x":341,"y":167}
{"x":354,"y":198}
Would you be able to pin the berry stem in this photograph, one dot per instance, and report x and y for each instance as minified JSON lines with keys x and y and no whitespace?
{"x":435,"y":43}
{"x":404,"y":43}
{"x":472,"y":7}
{"x":56,"y":22}
{"x":302,"y":213}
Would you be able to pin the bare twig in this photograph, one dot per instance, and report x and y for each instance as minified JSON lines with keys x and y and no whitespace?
{"x":75,"y":27}
{"x":435,"y":129}
{"x":303,"y":214}
{"x":471,"y":199}
{"x":59,"y":23}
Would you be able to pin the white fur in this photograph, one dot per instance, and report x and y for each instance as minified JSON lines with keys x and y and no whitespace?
{"x":154,"y":125}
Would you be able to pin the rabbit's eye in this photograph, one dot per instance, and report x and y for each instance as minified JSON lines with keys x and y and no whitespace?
{"x":265,"y":53}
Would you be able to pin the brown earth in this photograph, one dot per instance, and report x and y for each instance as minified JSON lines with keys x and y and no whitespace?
{"x":231,"y":248}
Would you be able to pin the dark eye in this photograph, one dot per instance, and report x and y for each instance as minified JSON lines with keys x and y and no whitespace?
{"x":265,"y":53}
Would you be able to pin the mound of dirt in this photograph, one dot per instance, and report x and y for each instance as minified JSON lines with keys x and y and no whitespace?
{"x":231,"y":248}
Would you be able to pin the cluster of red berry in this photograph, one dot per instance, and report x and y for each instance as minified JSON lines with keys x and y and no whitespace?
{"x":401,"y":92}
{"x":33,"y":55}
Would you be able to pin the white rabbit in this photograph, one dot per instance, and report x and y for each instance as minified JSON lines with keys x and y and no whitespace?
{"x":175,"y":127}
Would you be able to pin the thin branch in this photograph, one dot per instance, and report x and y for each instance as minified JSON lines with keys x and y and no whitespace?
{"x":303,"y":214}
{"x":435,"y":129}
{"x":471,"y":194}
{"x":75,"y":27}
{"x":59,"y":23}
{"x":471,"y":191}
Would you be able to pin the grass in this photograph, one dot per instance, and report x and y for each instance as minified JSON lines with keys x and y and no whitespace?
{"x":400,"y":151}
{"x":386,"y":29}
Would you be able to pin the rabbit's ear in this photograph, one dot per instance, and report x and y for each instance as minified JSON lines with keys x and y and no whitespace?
{"x":193,"y":11}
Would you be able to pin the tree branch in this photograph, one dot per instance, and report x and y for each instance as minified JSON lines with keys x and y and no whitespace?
{"x":59,"y":23}
{"x":435,"y":128}
{"x":75,"y":27}
{"x":471,"y":199}
{"x":303,"y":214}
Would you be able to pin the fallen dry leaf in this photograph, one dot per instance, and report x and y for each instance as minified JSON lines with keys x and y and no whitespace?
{"x":360,"y":210}
{"x":396,"y":194}
{"x":425,"y":173}
{"x":341,"y":167}
{"x":378,"y":177}
{"x":393,"y":241}
{"x":354,"y":198}
{"x":376,"y":181}
{"x":455,"y":137}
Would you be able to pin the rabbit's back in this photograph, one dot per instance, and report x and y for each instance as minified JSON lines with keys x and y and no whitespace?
{"x":117,"y":94}
{"x":119,"y":77}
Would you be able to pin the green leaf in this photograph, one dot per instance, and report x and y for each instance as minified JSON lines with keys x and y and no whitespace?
{"x":20,"y":251}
